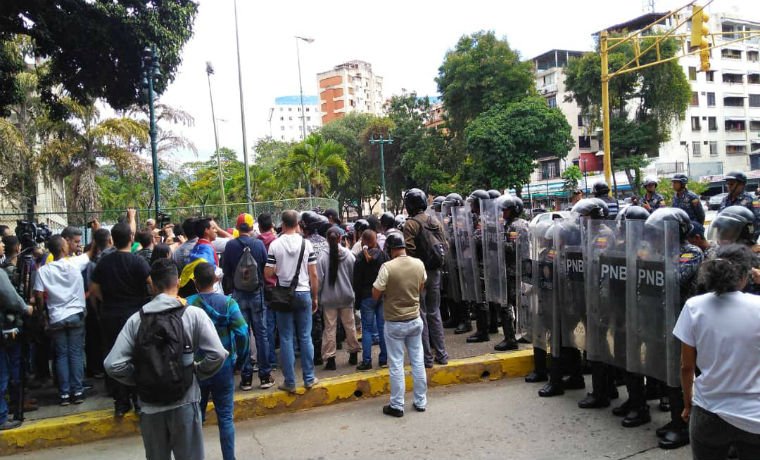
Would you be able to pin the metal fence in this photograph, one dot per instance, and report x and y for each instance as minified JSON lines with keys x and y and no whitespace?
{"x":225,"y":215}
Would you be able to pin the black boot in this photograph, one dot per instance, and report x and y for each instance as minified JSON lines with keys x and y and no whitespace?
{"x":539,"y":373}
{"x":465,"y":325}
{"x":353,"y":358}
{"x":481,"y":334}
{"x":551,"y":389}
{"x":509,"y":342}
{"x":330,"y":364}
{"x":493,"y":318}
{"x":637,"y":417}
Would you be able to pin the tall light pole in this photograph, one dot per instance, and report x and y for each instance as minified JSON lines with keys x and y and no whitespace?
{"x":382,"y":142}
{"x":209,"y":72}
{"x":150,"y":72}
{"x":242,"y":119}
{"x":300,"y":86}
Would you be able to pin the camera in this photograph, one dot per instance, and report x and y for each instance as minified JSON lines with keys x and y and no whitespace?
{"x":163,"y":219}
{"x":30,"y":234}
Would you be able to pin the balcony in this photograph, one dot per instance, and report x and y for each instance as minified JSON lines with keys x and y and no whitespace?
{"x":736,"y":149}
{"x":733,"y":102}
{"x":733,"y":78}
{"x":753,"y":78}
{"x":730,"y":54}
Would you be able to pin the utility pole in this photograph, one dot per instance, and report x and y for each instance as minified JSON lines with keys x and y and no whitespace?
{"x":382,"y":142}
{"x":248,"y":199}
{"x":209,"y":72}
{"x":150,"y":72}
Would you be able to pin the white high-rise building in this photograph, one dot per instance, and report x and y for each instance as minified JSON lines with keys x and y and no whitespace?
{"x":285,"y":123}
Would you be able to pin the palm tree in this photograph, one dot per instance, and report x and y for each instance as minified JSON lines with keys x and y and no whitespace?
{"x":315,"y":158}
{"x":83,"y":142}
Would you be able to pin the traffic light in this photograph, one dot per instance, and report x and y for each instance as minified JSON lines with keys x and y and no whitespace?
{"x":699,"y":36}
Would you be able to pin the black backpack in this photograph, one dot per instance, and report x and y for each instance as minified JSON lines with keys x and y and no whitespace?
{"x":163,"y":357}
{"x":246,"y":277}
{"x":431,"y":246}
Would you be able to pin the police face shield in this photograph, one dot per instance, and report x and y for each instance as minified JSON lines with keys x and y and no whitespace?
{"x":571,"y":293}
{"x":725,"y":230}
{"x":652,"y":299}
{"x":466,"y":251}
{"x":542,"y":295}
{"x":494,"y":267}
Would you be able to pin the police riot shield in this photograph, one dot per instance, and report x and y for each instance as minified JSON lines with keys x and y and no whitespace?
{"x":652,"y":293}
{"x":606,"y":270}
{"x":520,"y":276}
{"x":571,"y":288}
{"x":494,"y":268}
{"x":544,"y":295}
{"x":467,"y":258}
{"x":451,"y":272}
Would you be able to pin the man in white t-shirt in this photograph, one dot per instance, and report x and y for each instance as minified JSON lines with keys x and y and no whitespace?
{"x":60,"y":287}
{"x":282,"y":260}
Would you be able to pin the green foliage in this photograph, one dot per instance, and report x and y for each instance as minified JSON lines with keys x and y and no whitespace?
{"x":482,"y":71}
{"x":505,"y":142}
{"x":572,"y":175}
{"x":316,"y":158}
{"x":94,"y":48}
{"x":665,"y":188}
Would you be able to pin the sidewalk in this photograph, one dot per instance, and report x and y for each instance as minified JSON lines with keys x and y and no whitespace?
{"x":53,"y":425}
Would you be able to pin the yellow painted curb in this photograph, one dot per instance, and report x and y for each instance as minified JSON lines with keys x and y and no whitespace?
{"x":97,"y":425}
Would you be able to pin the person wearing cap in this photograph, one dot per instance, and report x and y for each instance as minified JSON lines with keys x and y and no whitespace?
{"x":697,"y":238}
{"x":251,"y":303}
{"x":736,"y":182}
{"x":651,"y":200}
{"x":685,"y":199}
{"x":400,"y":283}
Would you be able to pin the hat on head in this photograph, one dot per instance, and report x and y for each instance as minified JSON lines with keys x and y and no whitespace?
{"x":244,"y":222}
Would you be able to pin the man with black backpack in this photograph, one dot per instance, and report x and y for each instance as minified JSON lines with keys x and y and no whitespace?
{"x":155,"y":352}
{"x":425,"y":241}
{"x":243,"y":266}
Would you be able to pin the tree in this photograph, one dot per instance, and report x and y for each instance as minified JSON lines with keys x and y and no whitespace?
{"x":315,"y":158}
{"x":665,"y":188}
{"x":644,"y":104}
{"x":481,"y":72}
{"x":94,"y":48}
{"x":571,"y":175}
{"x":505,"y":142}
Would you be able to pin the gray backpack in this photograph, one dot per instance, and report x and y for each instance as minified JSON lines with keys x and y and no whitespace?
{"x":246,"y":276}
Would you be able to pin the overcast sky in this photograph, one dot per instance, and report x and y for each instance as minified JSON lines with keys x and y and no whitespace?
{"x":405,"y":41}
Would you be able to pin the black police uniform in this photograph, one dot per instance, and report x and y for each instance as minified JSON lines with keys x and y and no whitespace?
{"x":689,"y":202}
{"x":748,"y":201}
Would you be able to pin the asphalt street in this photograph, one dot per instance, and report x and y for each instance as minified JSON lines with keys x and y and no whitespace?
{"x":500,"y":420}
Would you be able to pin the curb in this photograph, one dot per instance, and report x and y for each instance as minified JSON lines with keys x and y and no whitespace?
{"x":98,"y":425}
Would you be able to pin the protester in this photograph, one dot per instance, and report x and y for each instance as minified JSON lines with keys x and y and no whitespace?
{"x":282,"y":261}
{"x":367,"y":267}
{"x":335,"y":270}
{"x":233,"y":333}
{"x":183,"y":251}
{"x":718,"y":334}
{"x":160,"y":251}
{"x":102,"y":244}
{"x":267,"y":235}
{"x":59,"y":286}
{"x":401,"y":282}
{"x":169,"y":424}
{"x":119,"y":287}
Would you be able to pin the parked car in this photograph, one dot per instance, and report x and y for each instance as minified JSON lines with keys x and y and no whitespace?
{"x":714,"y":202}
{"x":549,"y":215}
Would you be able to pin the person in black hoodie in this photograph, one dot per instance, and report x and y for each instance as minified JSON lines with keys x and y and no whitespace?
{"x":368,"y":264}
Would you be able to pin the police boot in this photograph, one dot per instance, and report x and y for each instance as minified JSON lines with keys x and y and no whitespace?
{"x":598,"y":397}
{"x":481,"y":323}
{"x":509,"y":342}
{"x":637,"y":417}
{"x":454,"y":318}
{"x":493,"y":321}
{"x":539,"y":373}
{"x":465,"y":325}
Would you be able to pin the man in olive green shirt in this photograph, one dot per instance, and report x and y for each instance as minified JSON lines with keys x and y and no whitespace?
{"x":400,"y":281}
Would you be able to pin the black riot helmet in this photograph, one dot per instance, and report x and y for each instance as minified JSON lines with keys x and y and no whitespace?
{"x":738,"y":176}
{"x":475,"y":197}
{"x":493,"y":193}
{"x":415,"y":201}
{"x":656,"y":221}
{"x":511,"y":203}
{"x":454,"y":199}
{"x":388,"y":220}
{"x":394,"y":240}
{"x":632,"y":213}
{"x":601,"y":188}
{"x":324,"y":225}
{"x":592,"y":207}
{"x":360,"y":225}
{"x":735,"y":224}
{"x":400,"y":221}
{"x":310,"y":221}
{"x":680,"y":178}
{"x":437,"y":202}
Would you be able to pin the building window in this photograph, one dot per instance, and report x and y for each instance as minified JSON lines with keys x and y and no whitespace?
{"x":694,"y":99}
{"x":730,"y":54}
{"x":754,"y":125}
{"x":733,"y":101}
{"x":550,"y":169}
{"x":733,"y":78}
{"x":692,"y":73}
{"x":755,"y":147}
{"x":736,"y":125}
{"x":580,"y":121}
{"x":696,"y":149}
{"x":754,"y":100}
{"x":695,"y":124}
{"x":290,"y":118}
{"x":584,"y":142}
{"x":712,"y":124}
{"x":753,"y":79}
{"x":711,"y":99}
{"x":307,"y":109}
{"x":753,"y":56}
{"x":552,"y":101}
{"x":713,"y":149}
{"x":308,"y":118}
{"x":736,"y":149}
{"x":290,"y":109}
{"x":710,"y":75}
{"x":282,"y":118}
{"x":282,"y":128}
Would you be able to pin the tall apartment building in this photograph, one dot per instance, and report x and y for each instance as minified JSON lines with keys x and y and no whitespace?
{"x":349,"y":87}
{"x":285,"y":122}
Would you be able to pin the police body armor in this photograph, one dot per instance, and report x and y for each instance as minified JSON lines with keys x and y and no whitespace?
{"x":571,"y":289}
{"x":494,"y":267}
{"x":606,"y":270}
{"x":652,"y":294}
{"x":467,"y":258}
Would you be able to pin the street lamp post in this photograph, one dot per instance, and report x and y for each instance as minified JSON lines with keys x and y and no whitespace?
{"x":150,"y":72}
{"x":209,"y":72}
{"x":300,"y":87}
{"x":382,"y":142}
{"x":248,"y":200}
{"x":585,"y":177}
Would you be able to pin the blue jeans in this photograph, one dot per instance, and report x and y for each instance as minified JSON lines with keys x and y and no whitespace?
{"x":296,"y":324}
{"x":252,"y":307}
{"x":69,"y":355}
{"x":397,"y":336}
{"x":222,"y":389}
{"x":372,"y":325}
{"x":271,"y":323}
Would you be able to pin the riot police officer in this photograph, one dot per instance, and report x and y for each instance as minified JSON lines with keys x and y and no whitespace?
{"x":651,"y":200}
{"x":515,"y":230}
{"x":602,"y":191}
{"x":736,"y":181}
{"x":687,"y":200}
{"x":459,"y":309}
{"x":483,"y":308}
{"x":437,"y":202}
{"x":493,"y":193}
